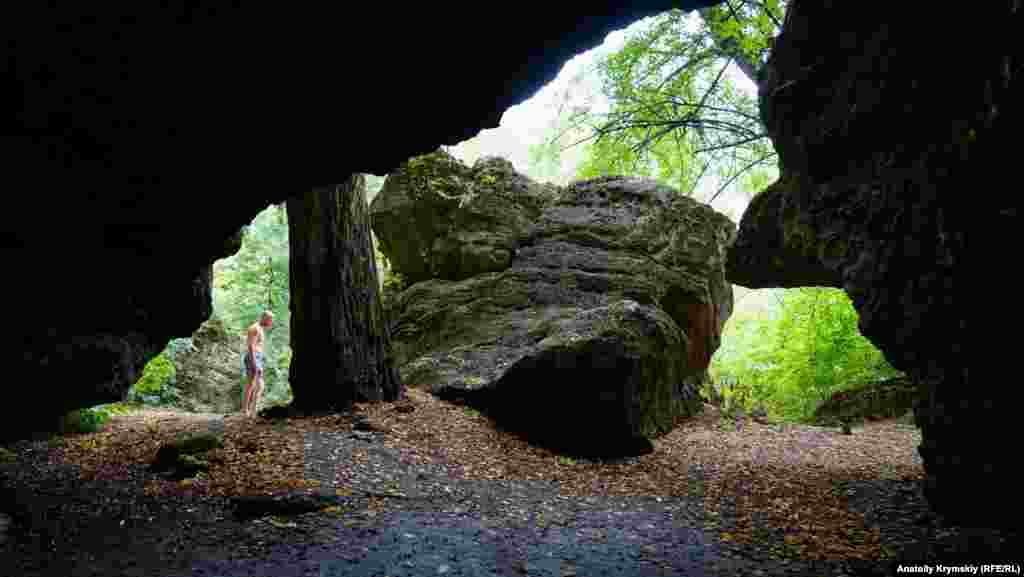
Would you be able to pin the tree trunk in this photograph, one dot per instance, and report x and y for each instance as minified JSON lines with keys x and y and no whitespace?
{"x":340,"y":344}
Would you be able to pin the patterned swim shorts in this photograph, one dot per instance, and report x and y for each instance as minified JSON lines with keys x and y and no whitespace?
{"x":249,"y":369}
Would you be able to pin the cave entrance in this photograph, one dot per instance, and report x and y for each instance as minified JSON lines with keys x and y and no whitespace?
{"x":245,"y":284}
{"x":254,"y":279}
{"x":796,"y":355}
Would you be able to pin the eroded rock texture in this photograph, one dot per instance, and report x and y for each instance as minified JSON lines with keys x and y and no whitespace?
{"x":209,"y":373}
{"x":140,"y":139}
{"x":338,"y":330}
{"x":887,"y":153}
{"x":592,"y":310}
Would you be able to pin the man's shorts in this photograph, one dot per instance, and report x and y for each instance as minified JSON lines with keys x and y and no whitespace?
{"x":249,"y":369}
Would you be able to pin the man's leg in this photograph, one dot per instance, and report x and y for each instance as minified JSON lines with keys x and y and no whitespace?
{"x":248,"y":404}
{"x":257,"y":385}
{"x":257,"y":394}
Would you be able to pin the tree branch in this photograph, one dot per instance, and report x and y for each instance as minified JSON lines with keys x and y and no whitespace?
{"x":763,"y":8}
{"x":699,"y":176}
{"x":741,"y":171}
{"x":737,"y":112}
{"x":731,"y":144}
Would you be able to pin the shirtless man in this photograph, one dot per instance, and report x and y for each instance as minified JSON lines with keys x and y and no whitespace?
{"x":255,"y":337}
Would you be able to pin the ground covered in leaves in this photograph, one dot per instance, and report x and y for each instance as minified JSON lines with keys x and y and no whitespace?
{"x":764,"y":498}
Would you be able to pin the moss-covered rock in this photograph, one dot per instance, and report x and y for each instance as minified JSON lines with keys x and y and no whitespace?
{"x":7,"y":456}
{"x":159,"y":372}
{"x":611,"y":297}
{"x":783,"y":243}
{"x":884,"y":399}
{"x":185,"y":456}
{"x":438,"y":218}
{"x":209,"y":374}
{"x":884,"y":153}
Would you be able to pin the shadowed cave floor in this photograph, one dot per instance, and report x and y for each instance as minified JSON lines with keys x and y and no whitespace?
{"x":437,"y":490}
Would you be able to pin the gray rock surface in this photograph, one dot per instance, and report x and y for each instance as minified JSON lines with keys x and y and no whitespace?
{"x":592,"y":308}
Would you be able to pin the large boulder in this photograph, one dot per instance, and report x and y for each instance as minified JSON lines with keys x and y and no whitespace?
{"x":186,"y":456}
{"x":435,"y":217}
{"x":599,"y":308}
{"x":882,"y":150}
{"x":208,"y":370}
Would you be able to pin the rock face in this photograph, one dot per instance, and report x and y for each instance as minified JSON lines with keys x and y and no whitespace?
{"x":185,"y":456}
{"x":210,"y":374}
{"x":425,"y":235}
{"x":591,"y":309}
{"x":881,"y":150}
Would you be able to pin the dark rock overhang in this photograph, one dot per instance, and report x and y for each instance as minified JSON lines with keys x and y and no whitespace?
{"x":140,"y":142}
{"x":893,"y":131}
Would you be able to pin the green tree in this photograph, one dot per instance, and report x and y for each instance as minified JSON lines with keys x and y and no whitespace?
{"x":252,"y":280}
{"x":743,"y":29}
{"x":797,"y":360}
{"x":674,"y":114}
{"x":552,"y":159}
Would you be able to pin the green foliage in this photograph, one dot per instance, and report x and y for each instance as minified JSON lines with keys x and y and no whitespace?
{"x":157,"y":380}
{"x":744,"y":30}
{"x":792,"y":362}
{"x":674,"y":115}
{"x":83,"y":421}
{"x":112,"y":409}
{"x":246,"y":283}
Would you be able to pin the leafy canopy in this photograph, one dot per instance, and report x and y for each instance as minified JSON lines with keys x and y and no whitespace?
{"x":674,"y":114}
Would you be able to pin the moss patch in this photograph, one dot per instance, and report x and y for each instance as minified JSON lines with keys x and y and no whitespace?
{"x":885,"y":399}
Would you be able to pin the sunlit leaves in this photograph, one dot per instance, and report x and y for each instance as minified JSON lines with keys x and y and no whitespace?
{"x":794,"y":362}
{"x":674,"y":114}
{"x":744,"y":29}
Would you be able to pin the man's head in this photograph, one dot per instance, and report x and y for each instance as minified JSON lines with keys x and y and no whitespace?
{"x":267,"y":319}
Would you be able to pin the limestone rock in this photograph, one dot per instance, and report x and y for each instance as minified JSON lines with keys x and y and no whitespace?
{"x":882,"y":149}
{"x":437,"y":218}
{"x":210,"y":375}
{"x":185,"y":457}
{"x":613,"y":288}
{"x":781,"y":243}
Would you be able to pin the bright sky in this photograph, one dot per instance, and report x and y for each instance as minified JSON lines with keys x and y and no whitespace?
{"x":528,"y":123}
